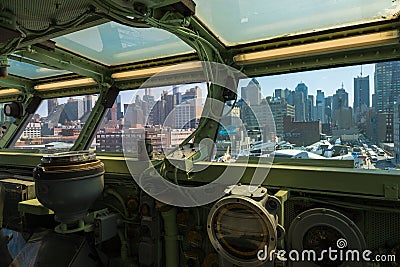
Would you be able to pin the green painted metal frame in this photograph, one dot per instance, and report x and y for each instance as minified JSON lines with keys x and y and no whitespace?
{"x":16,"y":82}
{"x":290,"y":176}
{"x":15,"y":129}
{"x":65,"y":60}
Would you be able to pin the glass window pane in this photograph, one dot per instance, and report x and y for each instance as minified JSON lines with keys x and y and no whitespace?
{"x":166,"y":116}
{"x":31,"y":71}
{"x":112,"y":43}
{"x":57,"y":124}
{"x":252,"y":20}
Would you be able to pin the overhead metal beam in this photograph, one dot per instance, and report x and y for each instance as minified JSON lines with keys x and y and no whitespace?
{"x":18,"y":83}
{"x":197,"y":26}
{"x":337,"y":59}
{"x":63,"y":59}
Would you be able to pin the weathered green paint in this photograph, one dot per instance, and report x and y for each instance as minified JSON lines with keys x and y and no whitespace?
{"x":16,"y":128}
{"x":65,"y":60}
{"x":329,"y":180}
{"x":17,"y":82}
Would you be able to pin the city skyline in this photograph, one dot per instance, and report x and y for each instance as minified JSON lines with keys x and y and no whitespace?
{"x":327,"y":80}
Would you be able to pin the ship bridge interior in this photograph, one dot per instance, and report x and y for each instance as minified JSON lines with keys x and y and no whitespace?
{"x":127,"y":138}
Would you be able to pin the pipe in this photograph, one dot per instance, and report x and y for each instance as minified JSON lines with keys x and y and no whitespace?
{"x":115,"y":194}
{"x":171,"y":238}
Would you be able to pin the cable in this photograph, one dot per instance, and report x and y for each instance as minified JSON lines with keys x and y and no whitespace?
{"x":70,"y":24}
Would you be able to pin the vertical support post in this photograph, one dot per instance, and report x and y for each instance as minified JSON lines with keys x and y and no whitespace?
{"x":171,"y":238}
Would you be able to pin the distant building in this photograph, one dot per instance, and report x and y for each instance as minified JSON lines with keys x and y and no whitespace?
{"x":342,"y":118}
{"x":361,"y":92}
{"x":251,"y":93}
{"x":187,"y":114}
{"x":89,"y":102}
{"x":74,"y":109}
{"x":299,"y":106}
{"x":380,"y":127}
{"x":361,"y":100}
{"x":109,"y":142}
{"x":133,"y":117}
{"x":280,"y":109}
{"x":32,"y":130}
{"x":396,"y":132}
{"x":310,"y":108}
{"x":328,"y":109}
{"x":301,"y":87}
{"x":301,"y":133}
{"x":118,"y":102}
{"x":301,"y":103}
{"x":340,"y":100}
{"x":384,"y":128}
{"x":51,"y":105}
{"x":192,"y":93}
{"x":327,"y":129}
{"x":387,"y":85}
{"x":131,"y":138}
{"x":179,"y":135}
{"x":280,"y":94}
{"x":320,"y":107}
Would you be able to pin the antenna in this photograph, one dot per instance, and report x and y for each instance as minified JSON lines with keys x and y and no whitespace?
{"x":361,"y":70}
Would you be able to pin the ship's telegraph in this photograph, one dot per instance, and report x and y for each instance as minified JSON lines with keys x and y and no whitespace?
{"x":244,"y":224}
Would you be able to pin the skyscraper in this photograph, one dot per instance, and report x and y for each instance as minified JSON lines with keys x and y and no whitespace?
{"x":299,"y":106}
{"x":280,"y":109}
{"x":51,"y":105}
{"x":361,"y":92}
{"x":301,"y":87}
{"x":119,"y":107}
{"x":251,"y":94}
{"x":340,"y":100}
{"x":387,"y":85}
{"x":310,"y":108}
{"x":320,"y":106}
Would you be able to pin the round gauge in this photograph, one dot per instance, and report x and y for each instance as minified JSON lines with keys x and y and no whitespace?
{"x":239,"y":228}
{"x":320,"y":229}
{"x":320,"y":238}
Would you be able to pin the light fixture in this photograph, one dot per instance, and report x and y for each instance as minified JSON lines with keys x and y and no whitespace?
{"x":9,"y":92}
{"x":163,"y":70}
{"x":319,"y":48}
{"x":13,"y":109}
{"x":65,"y":84}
